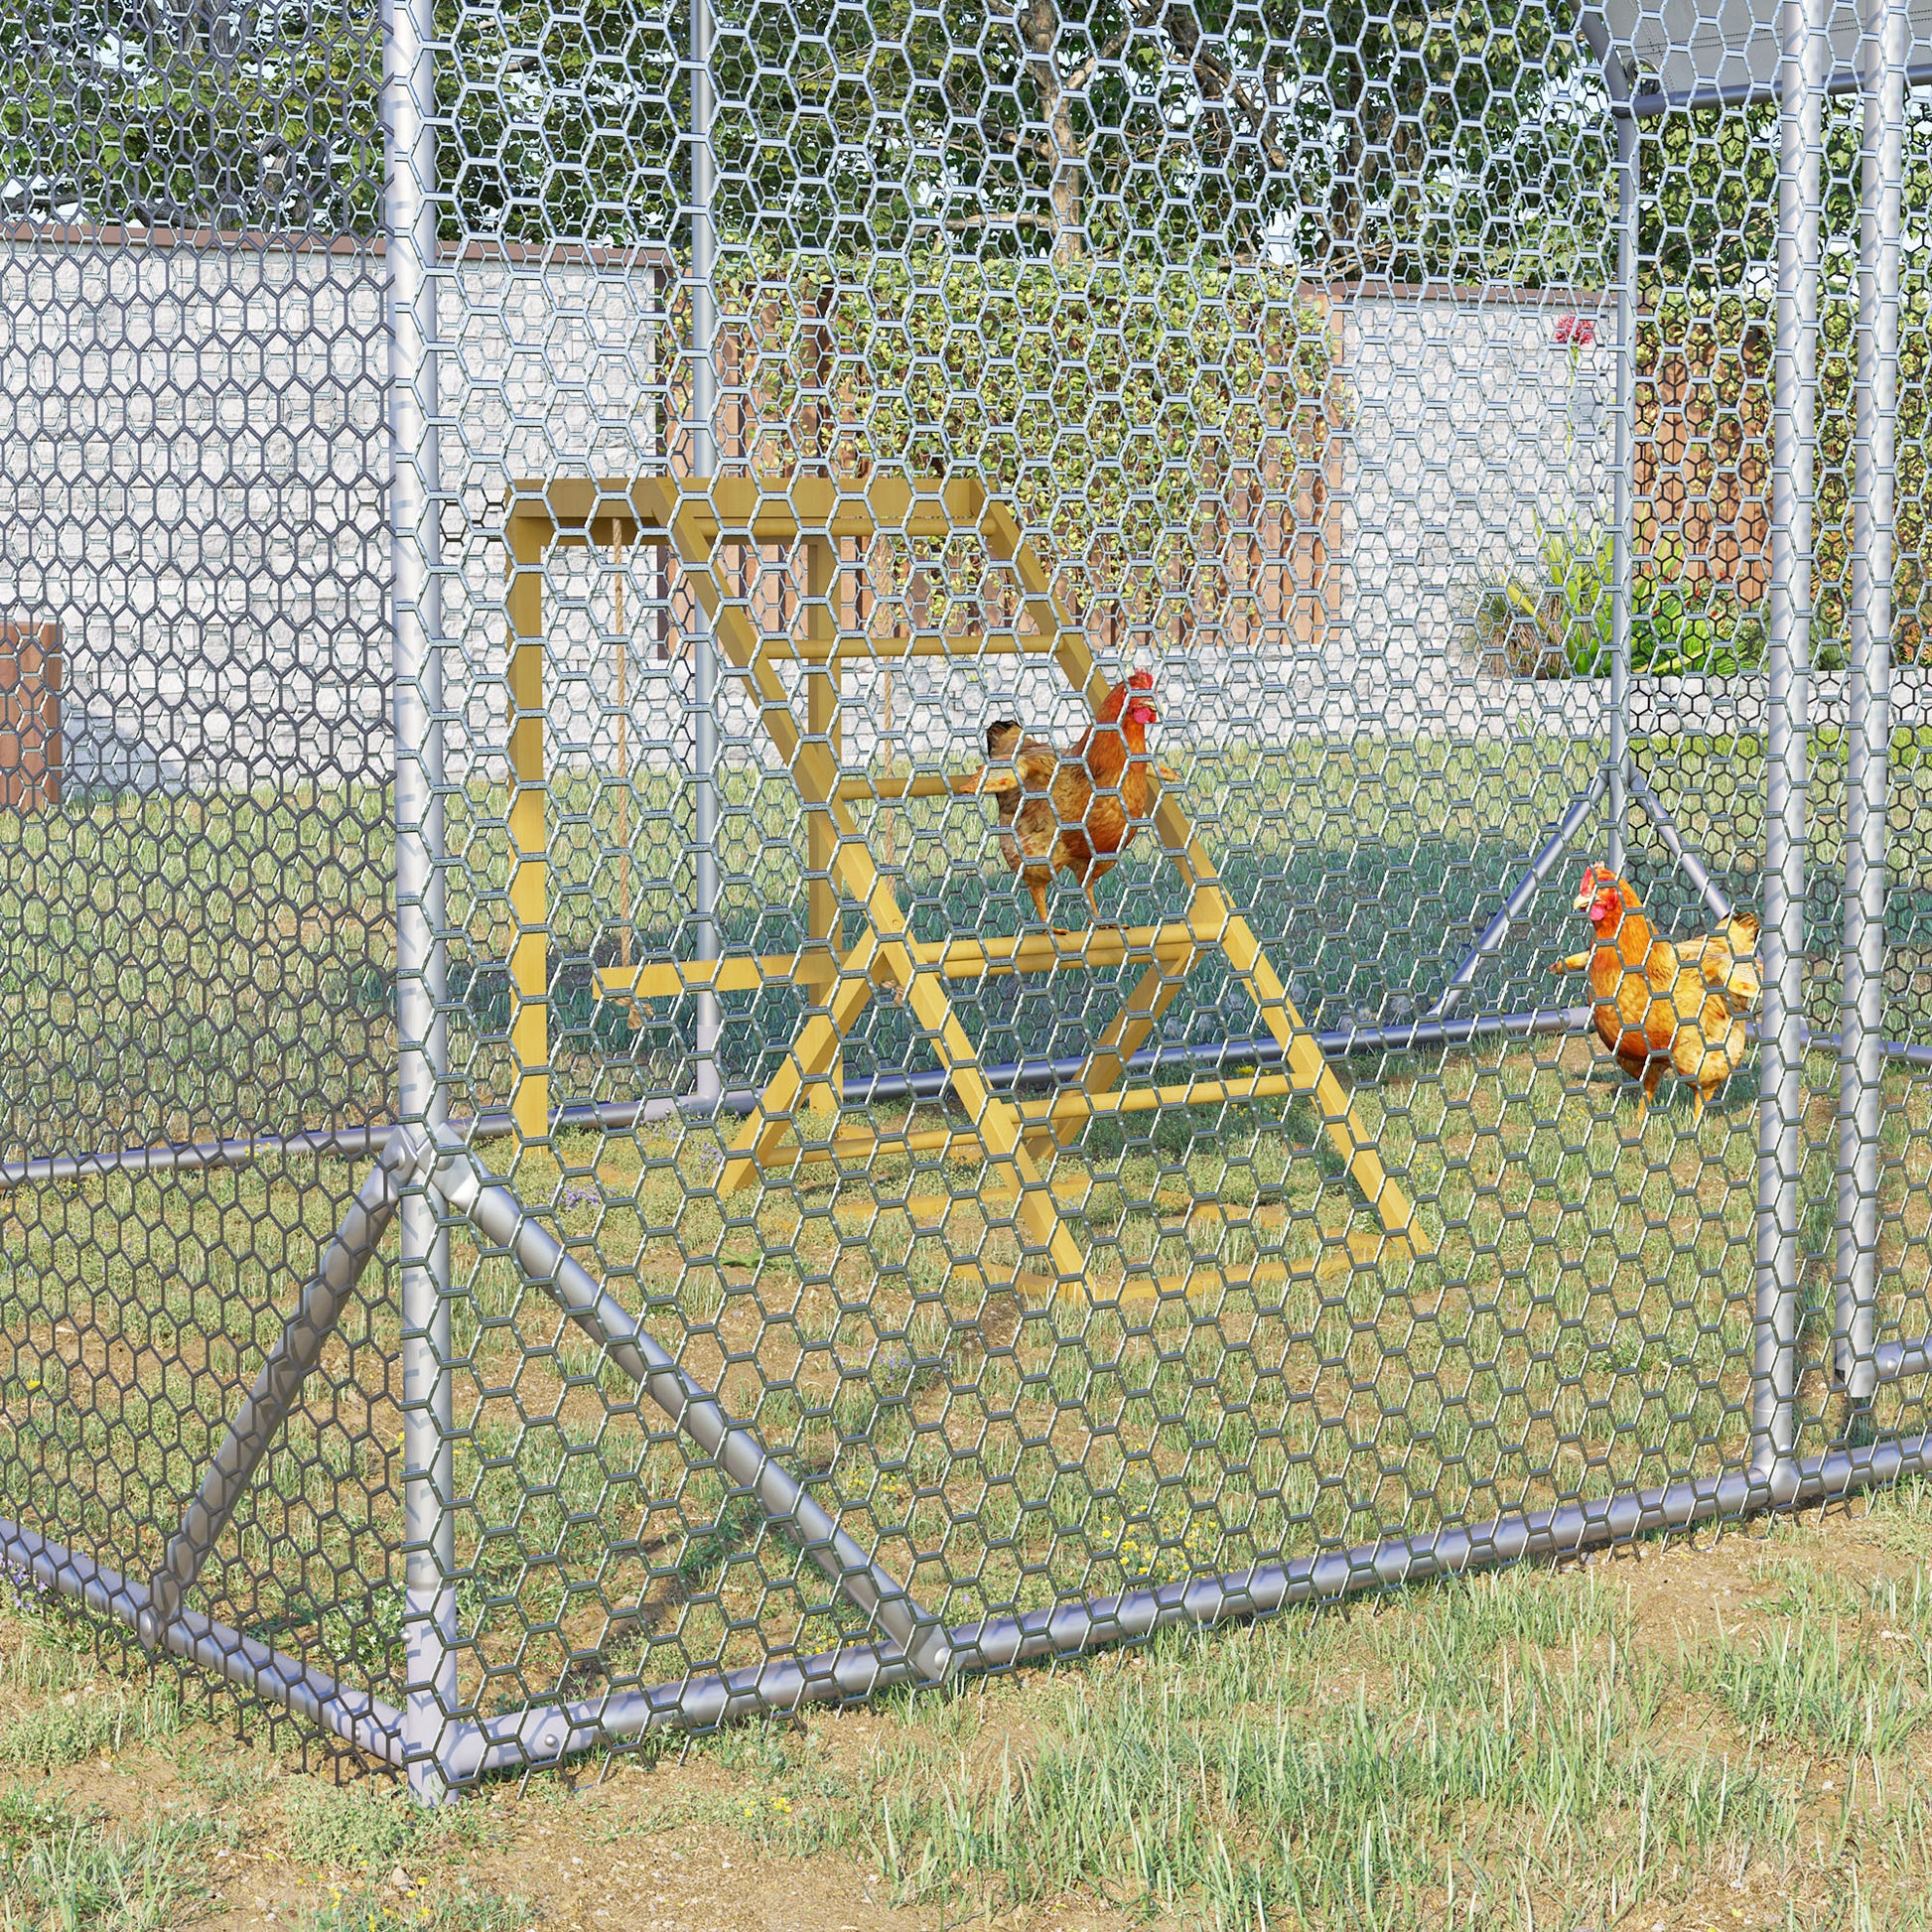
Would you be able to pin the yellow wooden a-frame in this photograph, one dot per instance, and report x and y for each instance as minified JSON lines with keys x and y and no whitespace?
{"x":699,"y":520}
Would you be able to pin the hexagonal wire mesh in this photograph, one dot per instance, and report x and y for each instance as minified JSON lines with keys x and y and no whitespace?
{"x":802,"y":777}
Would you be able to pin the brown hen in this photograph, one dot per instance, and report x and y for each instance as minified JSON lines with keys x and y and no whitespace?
{"x":1658,"y":1004}
{"x":1075,"y":812}
{"x":1716,"y":984}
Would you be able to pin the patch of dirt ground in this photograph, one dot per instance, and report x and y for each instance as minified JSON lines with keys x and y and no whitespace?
{"x":692,"y":1840}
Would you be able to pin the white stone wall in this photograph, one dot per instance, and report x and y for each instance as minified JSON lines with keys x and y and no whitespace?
{"x":1471,"y":431}
{"x":192,"y":467}
{"x":193,"y":460}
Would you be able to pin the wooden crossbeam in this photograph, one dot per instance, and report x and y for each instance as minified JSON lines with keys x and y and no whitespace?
{"x":1073,"y":1108}
{"x":696,"y":527}
{"x":600,"y":511}
{"x":1207,"y":907}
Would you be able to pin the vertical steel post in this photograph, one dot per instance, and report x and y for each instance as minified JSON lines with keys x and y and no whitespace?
{"x":1623,"y":488}
{"x":824,"y":925}
{"x":415,"y":503}
{"x":1804,"y":53}
{"x":708,"y":1084}
{"x":1861,"y":1053}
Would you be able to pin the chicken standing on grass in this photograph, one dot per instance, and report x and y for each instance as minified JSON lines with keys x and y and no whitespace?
{"x":1659,"y":1004}
{"x":1077,"y":811}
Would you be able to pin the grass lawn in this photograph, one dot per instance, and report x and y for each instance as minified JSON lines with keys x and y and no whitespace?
{"x":1696,"y":1735}
{"x":1586,"y":1324}
{"x":1608,"y":1746}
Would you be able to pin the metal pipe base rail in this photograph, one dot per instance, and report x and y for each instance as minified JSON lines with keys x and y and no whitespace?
{"x":914,"y":1645}
{"x":864,"y":1090}
{"x":545,"y":1735}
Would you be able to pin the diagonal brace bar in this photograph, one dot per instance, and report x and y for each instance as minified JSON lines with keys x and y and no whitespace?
{"x":278,"y":1386}
{"x":353,"y":1715}
{"x":501,"y":1217}
{"x":1540,"y":868}
{"x":1665,"y":827}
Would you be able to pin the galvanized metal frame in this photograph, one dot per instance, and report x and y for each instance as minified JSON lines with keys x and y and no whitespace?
{"x":1805,"y":63}
{"x":422,"y":958}
{"x":707,"y":1082}
{"x":427,"y":1176}
{"x":1618,"y":776}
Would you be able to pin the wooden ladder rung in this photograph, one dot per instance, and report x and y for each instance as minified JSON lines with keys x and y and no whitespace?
{"x":862,"y":1142}
{"x":1035,"y":952}
{"x":1083,"y":950}
{"x":735,"y":973}
{"x":1077,"y":1104}
{"x":983,"y":782}
{"x":962,"y":1143}
{"x":922,"y":784}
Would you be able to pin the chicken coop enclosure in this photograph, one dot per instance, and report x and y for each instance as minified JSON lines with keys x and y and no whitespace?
{"x":791,"y":799}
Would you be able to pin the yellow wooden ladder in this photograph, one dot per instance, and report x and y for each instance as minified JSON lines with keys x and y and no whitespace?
{"x":702,"y":520}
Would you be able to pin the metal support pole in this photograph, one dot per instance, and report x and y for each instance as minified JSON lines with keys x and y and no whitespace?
{"x":1539,"y":867}
{"x":1861,"y":1064}
{"x":415,"y":501}
{"x":1693,"y":868}
{"x":1622,"y":504}
{"x":1805,"y":56}
{"x":709,"y":1080}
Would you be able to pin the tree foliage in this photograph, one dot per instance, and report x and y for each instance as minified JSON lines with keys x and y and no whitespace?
{"x":205,"y":114}
{"x":1353,"y":137}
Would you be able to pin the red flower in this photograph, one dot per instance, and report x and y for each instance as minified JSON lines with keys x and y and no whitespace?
{"x":1578,"y":329}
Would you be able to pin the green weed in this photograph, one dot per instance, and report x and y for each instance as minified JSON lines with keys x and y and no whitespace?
{"x":1816,"y":1683}
{"x":68,"y":1868}
{"x":366,"y":1827}
{"x":46,"y":1736}
{"x":371,"y":1909}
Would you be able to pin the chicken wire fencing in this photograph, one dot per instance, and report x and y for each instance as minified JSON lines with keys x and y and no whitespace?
{"x":786,"y":792}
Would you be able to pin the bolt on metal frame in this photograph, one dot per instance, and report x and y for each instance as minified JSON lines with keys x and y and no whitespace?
{"x":430,"y":1184}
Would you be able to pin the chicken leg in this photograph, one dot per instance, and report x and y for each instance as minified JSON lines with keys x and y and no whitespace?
{"x":1040,"y":888}
{"x":1653,"y":1073}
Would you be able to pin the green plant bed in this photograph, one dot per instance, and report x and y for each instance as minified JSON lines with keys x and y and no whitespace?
{"x":1560,"y":625}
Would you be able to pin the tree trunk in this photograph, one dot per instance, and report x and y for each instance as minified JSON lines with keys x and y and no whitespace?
{"x":1039,"y":29}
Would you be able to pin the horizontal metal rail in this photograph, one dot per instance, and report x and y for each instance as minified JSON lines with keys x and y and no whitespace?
{"x":1908,"y":1053}
{"x":244,"y":1149}
{"x":353,"y":1715}
{"x":545,"y":1735}
{"x":1649,"y":103}
{"x":1412,"y":1036}
{"x":616,"y":1116}
{"x":865,"y":1090}
{"x":1893,"y":1361}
